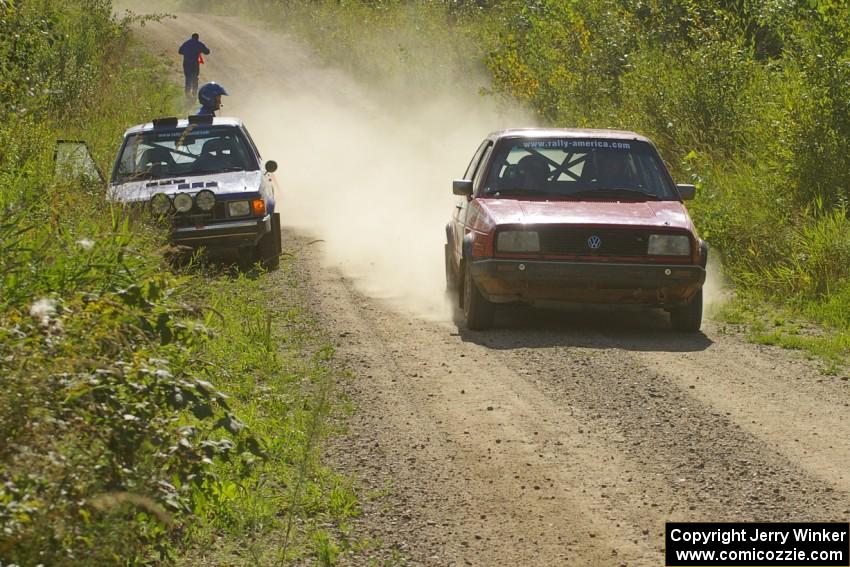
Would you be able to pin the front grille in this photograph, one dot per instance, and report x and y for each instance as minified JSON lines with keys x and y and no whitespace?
{"x":196,"y":216}
{"x":577,"y":242}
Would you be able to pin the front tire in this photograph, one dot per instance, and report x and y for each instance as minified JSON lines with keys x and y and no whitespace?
{"x":477,"y":311}
{"x":246,"y":257}
{"x":451,"y":273}
{"x":688,"y":318}
{"x":269,"y":247}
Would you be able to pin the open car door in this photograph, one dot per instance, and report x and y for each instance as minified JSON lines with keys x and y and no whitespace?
{"x":72,"y":160}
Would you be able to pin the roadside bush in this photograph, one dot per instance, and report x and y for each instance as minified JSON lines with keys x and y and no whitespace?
{"x":564,"y":60}
{"x":693,"y":99}
{"x":109,"y":415}
{"x":821,"y":56}
{"x":732,"y":216}
{"x":146,"y":414}
{"x":819,"y":262}
{"x":110,"y":421}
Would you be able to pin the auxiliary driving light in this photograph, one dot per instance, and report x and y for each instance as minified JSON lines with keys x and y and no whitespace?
{"x":205,"y":200}
{"x":160,"y":204}
{"x":183,"y":202}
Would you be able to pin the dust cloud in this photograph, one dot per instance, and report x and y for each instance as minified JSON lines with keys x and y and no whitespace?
{"x":368,"y":170}
{"x":717,"y":289}
{"x":364,"y":166}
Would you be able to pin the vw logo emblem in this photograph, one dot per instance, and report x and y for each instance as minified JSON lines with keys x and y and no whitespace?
{"x":594,"y":242}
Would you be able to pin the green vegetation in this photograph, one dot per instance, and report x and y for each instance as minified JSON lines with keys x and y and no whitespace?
{"x":272,"y":361}
{"x":747,"y":99}
{"x":148,"y":415}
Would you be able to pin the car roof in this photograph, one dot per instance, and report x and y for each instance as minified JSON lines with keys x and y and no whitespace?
{"x":569,"y":133}
{"x":170,"y":124}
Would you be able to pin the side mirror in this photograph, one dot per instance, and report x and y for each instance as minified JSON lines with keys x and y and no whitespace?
{"x":686,"y":191}
{"x":462,"y":187}
{"x":271,"y":166}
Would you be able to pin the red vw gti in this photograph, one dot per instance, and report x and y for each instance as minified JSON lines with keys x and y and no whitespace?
{"x":575,"y":217}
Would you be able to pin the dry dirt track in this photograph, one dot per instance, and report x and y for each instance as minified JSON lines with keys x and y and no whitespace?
{"x":560,"y":440}
{"x":555,"y":439}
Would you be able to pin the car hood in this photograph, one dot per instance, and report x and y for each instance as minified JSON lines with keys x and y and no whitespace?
{"x":649,"y":213}
{"x":229,"y":183}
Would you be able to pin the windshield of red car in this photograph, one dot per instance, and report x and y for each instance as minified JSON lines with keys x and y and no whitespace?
{"x":586,"y":169}
{"x":194,"y":150}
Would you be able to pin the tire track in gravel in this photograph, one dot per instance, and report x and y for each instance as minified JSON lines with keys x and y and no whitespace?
{"x":724,"y":464}
{"x":793,"y":408}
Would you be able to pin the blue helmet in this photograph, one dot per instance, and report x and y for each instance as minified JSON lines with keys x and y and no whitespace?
{"x":208,"y":92}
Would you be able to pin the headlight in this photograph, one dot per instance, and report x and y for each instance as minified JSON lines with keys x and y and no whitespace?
{"x":160,"y":204}
{"x":205,"y":200}
{"x":183,"y":202}
{"x":238,"y":208}
{"x":518,"y":241}
{"x":669,"y":245}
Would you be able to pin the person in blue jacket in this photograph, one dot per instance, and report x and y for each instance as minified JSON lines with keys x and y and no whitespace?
{"x":209,"y":96}
{"x":191,"y":51}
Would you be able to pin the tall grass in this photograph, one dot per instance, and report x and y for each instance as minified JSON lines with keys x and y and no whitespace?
{"x":127,"y":425}
{"x":277,"y":369}
{"x":104,"y":416}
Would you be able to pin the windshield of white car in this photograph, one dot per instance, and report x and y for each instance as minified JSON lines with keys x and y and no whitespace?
{"x":579,"y":169}
{"x":194,"y":150}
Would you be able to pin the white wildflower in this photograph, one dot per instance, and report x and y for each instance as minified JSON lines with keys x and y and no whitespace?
{"x":43,"y":310}
{"x":86,"y":244}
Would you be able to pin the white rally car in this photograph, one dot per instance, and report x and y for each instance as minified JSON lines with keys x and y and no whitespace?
{"x":205,"y":175}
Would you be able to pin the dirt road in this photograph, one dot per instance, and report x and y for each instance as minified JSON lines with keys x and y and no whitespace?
{"x":570,"y":440}
{"x":554,"y":439}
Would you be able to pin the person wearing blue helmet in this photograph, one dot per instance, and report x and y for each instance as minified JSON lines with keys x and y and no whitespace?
{"x":209,"y":96}
{"x":192,"y":51}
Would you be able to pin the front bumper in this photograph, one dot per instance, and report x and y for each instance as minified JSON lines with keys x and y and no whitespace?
{"x":224,"y":234}
{"x":651,"y":285}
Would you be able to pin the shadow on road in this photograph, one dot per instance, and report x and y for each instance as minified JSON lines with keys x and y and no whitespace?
{"x":521,"y":327}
